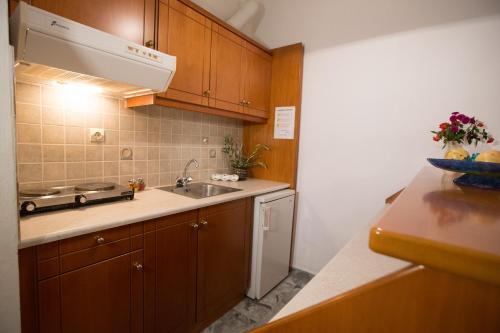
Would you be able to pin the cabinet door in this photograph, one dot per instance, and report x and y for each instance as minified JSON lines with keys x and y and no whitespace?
{"x":226,"y":71}
{"x":223,"y":258}
{"x":176,"y":277}
{"x":123,"y":18}
{"x":186,"y":34}
{"x":102,"y":298}
{"x":257,"y":81}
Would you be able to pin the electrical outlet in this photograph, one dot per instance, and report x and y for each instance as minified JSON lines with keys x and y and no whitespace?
{"x":126,"y":153}
{"x":96,"y":134}
{"x":212,"y":153}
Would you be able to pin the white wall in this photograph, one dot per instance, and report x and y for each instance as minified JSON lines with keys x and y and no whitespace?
{"x":378,"y":76}
{"x":9,"y":277}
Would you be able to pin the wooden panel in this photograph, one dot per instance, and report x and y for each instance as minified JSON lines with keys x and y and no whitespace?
{"x":136,"y":292}
{"x":226,"y":72}
{"x":49,"y":305}
{"x":136,"y":229}
{"x":48,"y":268}
{"x":189,"y":40}
{"x":176,"y":277}
{"x":28,"y":290}
{"x":439,"y":224}
{"x":138,"y":101}
{"x":149,"y":281}
{"x":136,"y":242}
{"x":257,"y":78}
{"x":47,"y":251}
{"x":286,"y":88}
{"x":97,"y":298}
{"x":150,"y":26}
{"x":179,"y":218}
{"x":412,"y":301}
{"x":123,"y":18}
{"x":90,"y":240}
{"x":222,"y":264}
{"x":13,"y":5}
{"x":90,"y":256}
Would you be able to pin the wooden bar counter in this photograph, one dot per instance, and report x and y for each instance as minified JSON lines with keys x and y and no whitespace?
{"x":451,"y":234}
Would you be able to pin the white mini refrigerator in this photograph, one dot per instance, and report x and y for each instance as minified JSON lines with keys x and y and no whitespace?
{"x":272,"y":240}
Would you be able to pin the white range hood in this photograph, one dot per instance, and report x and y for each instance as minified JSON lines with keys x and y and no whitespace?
{"x":52,"y":49}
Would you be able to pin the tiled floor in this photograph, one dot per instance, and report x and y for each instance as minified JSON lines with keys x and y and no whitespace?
{"x":249,"y":313}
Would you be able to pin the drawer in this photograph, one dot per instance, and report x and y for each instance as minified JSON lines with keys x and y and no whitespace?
{"x":93,"y":239}
{"x":48,"y":268}
{"x":82,"y":258}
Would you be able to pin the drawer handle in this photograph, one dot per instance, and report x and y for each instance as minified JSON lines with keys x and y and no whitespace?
{"x":203,"y":223}
{"x":195,"y":226}
{"x":99,"y":239}
{"x":137,"y":266}
{"x":149,"y":44}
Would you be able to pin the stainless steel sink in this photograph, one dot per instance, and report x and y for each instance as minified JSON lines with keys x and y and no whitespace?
{"x":199,"y":190}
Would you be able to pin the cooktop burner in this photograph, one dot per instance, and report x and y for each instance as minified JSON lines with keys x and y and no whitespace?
{"x":39,"y":192}
{"x":95,"y":187}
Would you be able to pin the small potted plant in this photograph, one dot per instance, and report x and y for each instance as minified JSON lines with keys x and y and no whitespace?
{"x":458,"y":130}
{"x":241,"y":162}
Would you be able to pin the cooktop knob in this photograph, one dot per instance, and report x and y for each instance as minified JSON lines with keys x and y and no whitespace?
{"x":81,"y":199}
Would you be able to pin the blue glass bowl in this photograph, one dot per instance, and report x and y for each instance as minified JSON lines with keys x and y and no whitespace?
{"x":477,"y":174}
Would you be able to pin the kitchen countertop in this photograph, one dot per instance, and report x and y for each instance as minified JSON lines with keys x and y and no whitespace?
{"x":152,"y":203}
{"x":438,"y":224}
{"x":353,"y":266}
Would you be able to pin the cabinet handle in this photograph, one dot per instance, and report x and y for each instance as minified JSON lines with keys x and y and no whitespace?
{"x":99,"y":239}
{"x":137,"y":266}
{"x":207,"y":93}
{"x":243,"y":102}
{"x":247,"y":103}
{"x":203,"y":223}
{"x":195,"y":225}
{"x":149,"y":44}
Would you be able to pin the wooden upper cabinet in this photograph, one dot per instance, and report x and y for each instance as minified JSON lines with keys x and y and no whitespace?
{"x":222,"y":258}
{"x":186,"y":34}
{"x":226,"y":70}
{"x":123,"y":18}
{"x":257,"y":81}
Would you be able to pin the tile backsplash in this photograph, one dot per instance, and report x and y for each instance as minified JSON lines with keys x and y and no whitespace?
{"x":54,"y":146}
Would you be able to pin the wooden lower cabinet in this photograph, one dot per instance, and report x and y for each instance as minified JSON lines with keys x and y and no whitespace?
{"x":222,"y":259}
{"x":177,"y":274}
{"x":101,"y":298}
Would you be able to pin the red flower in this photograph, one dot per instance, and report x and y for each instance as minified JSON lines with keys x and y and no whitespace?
{"x":435,"y":138}
{"x":490,"y":140}
{"x":444,"y":126}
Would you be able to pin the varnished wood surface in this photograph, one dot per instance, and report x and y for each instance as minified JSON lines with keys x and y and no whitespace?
{"x":414,"y":300}
{"x":123,"y":18}
{"x":286,"y":90}
{"x":441,"y":225}
{"x":393,"y":197}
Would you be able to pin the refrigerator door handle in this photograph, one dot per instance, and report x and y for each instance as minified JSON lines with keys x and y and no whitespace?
{"x":266,"y":225}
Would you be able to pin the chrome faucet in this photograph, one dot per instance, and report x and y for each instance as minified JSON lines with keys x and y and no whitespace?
{"x":185,"y":179}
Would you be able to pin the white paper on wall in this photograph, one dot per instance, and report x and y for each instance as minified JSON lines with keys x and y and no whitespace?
{"x":284,"y":122}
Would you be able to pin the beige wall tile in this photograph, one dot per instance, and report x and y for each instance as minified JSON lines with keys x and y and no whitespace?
{"x":29,"y":153}
{"x":27,"y":93}
{"x":54,"y":171}
{"x":141,"y":123}
{"x":93,"y":169}
{"x":141,"y":138}
{"x":74,"y":118}
{"x":141,"y":168}
{"x":153,"y":153}
{"x":52,"y":116}
{"x":111,"y":169}
{"x":153,"y":125}
{"x":53,"y":153}
{"x":52,"y":96}
{"x":111,"y":137}
{"x":126,"y":123}
{"x":126,"y":137}
{"x":111,"y":153}
{"x":165,"y":179}
{"x":154,"y":139}
{"x":94,"y":120}
{"x":110,"y":105}
{"x":75,"y":153}
{"x":115,"y":180}
{"x":75,"y":170}
{"x":153,"y":166}
{"x":52,"y":134}
{"x":141,"y":153}
{"x":74,"y":135}
{"x":29,"y":172}
{"x":28,"y":133}
{"x":111,"y":121}
{"x":164,"y":166}
{"x":153,"y":180}
{"x":93,"y":153}
{"x":126,"y":167}
{"x":28,"y":113}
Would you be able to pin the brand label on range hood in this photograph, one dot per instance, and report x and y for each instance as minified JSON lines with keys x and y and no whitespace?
{"x":54,"y":23}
